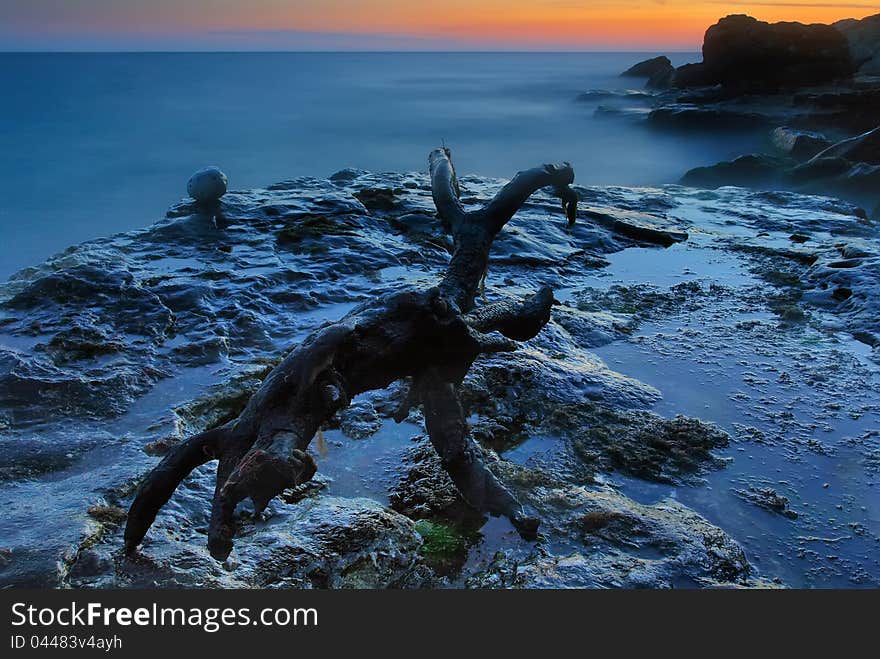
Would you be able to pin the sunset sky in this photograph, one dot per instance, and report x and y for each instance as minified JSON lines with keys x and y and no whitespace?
{"x":387,"y":24}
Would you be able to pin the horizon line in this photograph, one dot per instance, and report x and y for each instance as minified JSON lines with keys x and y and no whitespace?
{"x":340,"y":52}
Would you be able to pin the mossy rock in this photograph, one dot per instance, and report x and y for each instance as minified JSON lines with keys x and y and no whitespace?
{"x":445,"y":546}
{"x":638,"y":443}
{"x":305,"y":232}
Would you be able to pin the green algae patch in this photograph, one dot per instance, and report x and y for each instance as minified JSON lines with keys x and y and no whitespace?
{"x":444,"y":547}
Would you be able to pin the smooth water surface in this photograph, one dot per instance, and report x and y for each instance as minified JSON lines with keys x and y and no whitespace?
{"x":94,"y":144}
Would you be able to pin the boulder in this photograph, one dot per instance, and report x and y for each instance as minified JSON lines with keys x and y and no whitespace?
{"x":207,"y":185}
{"x":661,"y":79}
{"x":751,"y":55}
{"x":320,"y":542}
{"x":799,"y":144}
{"x":745,"y":171}
{"x":630,"y":545}
{"x":648,"y":67}
{"x":863,"y":38}
{"x":695,"y":74}
{"x":638,"y":226}
{"x":820,"y":167}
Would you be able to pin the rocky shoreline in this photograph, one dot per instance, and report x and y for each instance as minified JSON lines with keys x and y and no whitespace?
{"x":700,"y":411}
{"x":814,"y":89}
{"x":189,"y":315}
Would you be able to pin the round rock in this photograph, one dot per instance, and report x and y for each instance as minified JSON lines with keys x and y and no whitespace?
{"x":207,"y":185}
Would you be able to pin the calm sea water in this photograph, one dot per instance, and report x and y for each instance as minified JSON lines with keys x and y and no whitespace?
{"x":93,"y":144}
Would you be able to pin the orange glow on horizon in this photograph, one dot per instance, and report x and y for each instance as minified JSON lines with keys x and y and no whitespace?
{"x":569,"y":23}
{"x":482,"y":24}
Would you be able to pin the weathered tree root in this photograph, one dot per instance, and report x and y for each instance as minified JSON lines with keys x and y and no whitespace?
{"x":431,"y":336}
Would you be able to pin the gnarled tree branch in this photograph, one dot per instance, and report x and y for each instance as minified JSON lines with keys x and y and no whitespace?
{"x":431,"y":336}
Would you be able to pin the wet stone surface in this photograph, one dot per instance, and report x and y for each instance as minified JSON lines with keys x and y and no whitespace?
{"x":703,"y":414}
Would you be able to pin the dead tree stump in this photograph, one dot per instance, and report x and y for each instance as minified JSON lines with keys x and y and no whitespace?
{"x":431,"y":336}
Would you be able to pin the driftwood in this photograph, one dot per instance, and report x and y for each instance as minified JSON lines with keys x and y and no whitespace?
{"x":430,"y":336}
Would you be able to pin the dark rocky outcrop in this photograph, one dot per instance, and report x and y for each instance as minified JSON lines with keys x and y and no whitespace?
{"x":863,"y":37}
{"x":849,"y":168}
{"x":745,"y":54}
{"x":746,"y":171}
{"x":648,"y":67}
{"x":658,"y":70}
{"x":858,"y":181}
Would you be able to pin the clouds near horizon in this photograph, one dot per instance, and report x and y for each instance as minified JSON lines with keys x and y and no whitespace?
{"x":386,"y":24}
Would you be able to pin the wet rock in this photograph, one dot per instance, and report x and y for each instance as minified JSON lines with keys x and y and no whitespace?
{"x":820,"y":168}
{"x":310,"y":233}
{"x":658,"y":71}
{"x":108,"y":515}
{"x":661,"y":80}
{"x":425,"y":490}
{"x":832,"y":174}
{"x":751,"y":170}
{"x":536,"y":383}
{"x":593,"y":328}
{"x":23,"y":458}
{"x":832,"y":169}
{"x":161,"y":446}
{"x":360,"y":420}
{"x":640,"y":444}
{"x":342,"y":543}
{"x":214,"y":305}
{"x":799,"y":144}
{"x":766,"y":498}
{"x":82,"y":343}
{"x":688,"y":116}
{"x":207,"y":185}
{"x":102,"y":323}
{"x":751,"y":55}
{"x":322,"y":542}
{"x":422,"y":228}
{"x":638,"y":226}
{"x":694,"y":74}
{"x":846,"y":280}
{"x":37,"y":389}
{"x":347,"y":175}
{"x":648,"y":67}
{"x":642,"y":301}
{"x":221,"y":403}
{"x":89,"y":564}
{"x":384,"y":199}
{"x":628,"y":545}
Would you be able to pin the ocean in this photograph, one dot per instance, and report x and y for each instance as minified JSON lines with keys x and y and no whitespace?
{"x":95,"y":144}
